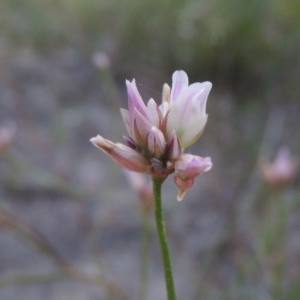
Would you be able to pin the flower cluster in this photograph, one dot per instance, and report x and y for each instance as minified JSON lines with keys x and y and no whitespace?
{"x":158,"y":134}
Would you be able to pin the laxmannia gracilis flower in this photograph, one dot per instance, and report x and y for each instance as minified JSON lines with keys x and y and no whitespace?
{"x":158,"y":134}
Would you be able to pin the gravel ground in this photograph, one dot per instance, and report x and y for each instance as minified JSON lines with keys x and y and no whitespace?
{"x":54,"y":182}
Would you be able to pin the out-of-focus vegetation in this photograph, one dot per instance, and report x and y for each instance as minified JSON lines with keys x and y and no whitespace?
{"x":235,"y":236}
{"x":236,"y":42}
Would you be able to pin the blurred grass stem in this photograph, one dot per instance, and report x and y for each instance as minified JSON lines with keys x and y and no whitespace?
{"x":144,"y":255}
{"x":66,"y":268}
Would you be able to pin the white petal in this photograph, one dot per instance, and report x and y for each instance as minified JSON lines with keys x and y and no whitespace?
{"x":180,"y":80}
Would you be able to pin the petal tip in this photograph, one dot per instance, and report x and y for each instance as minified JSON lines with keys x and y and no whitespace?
{"x":180,"y":196}
{"x":94,"y":139}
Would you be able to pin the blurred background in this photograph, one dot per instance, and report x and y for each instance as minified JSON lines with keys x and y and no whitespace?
{"x":71,"y":225}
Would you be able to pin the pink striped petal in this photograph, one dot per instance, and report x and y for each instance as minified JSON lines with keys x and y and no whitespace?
{"x":123,"y":155}
{"x":140,"y":127}
{"x":135,"y":100}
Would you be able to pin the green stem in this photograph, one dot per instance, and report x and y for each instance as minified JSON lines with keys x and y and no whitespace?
{"x":161,"y":231}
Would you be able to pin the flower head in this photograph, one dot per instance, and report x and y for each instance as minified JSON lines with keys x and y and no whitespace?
{"x":158,"y":134}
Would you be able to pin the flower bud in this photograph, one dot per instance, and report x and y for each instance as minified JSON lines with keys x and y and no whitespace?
{"x":173,"y":149}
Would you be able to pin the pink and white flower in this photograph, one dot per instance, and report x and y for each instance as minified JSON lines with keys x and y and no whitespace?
{"x":158,"y":134}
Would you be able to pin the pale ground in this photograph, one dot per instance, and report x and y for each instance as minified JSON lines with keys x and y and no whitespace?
{"x":54,"y":179}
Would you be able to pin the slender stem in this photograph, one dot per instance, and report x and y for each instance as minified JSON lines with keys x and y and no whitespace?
{"x":161,"y":231}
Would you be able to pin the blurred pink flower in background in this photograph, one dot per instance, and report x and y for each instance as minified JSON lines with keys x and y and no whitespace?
{"x":158,"y":134}
{"x":282,"y":171}
{"x":142,"y":186}
{"x":7,"y":135}
{"x":101,"y":60}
